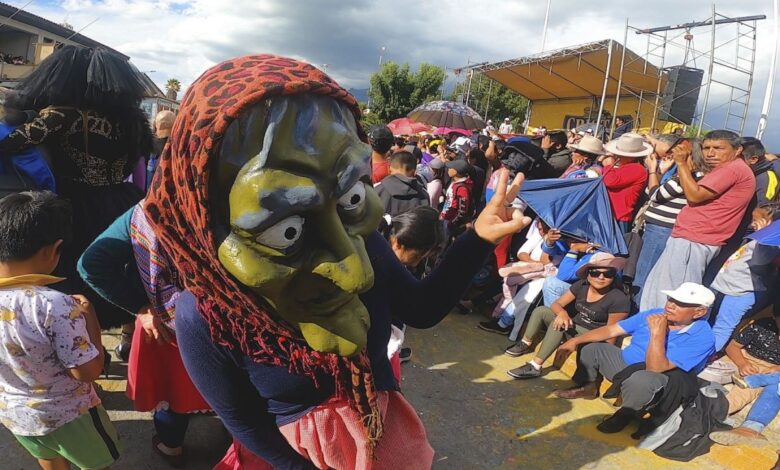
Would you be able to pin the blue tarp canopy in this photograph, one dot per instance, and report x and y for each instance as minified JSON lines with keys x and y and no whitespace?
{"x":579,"y":208}
{"x":769,"y":235}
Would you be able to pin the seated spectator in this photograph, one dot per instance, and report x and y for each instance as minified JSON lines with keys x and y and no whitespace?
{"x":569,"y":256}
{"x":675,"y":337}
{"x":381,"y":140}
{"x":598,"y":300}
{"x":716,"y":206}
{"x":626,"y":178}
{"x":401,"y":191}
{"x":556,"y":154}
{"x":744,"y":279}
{"x":755,"y":351}
{"x":766,"y":179}
{"x":584,"y":156}
{"x":520,"y":294}
{"x":458,"y":207}
{"x":666,"y":200}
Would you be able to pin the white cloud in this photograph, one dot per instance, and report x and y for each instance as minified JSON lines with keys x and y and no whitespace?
{"x":181,"y":39}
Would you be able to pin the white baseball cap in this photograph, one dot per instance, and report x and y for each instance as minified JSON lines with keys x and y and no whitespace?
{"x":691,"y":293}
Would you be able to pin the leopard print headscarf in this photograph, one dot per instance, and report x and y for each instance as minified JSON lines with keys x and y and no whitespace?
{"x":178,"y":207}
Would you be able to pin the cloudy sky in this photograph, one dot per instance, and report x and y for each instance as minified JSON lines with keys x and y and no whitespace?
{"x":180,"y":39}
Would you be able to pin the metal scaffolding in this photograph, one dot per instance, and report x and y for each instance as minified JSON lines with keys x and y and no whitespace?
{"x":730,"y":56}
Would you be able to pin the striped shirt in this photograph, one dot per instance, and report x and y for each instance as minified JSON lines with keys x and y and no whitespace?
{"x":666,"y":202}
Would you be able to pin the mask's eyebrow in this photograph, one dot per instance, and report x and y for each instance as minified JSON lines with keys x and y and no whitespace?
{"x":277,"y":205}
{"x":348,"y":178}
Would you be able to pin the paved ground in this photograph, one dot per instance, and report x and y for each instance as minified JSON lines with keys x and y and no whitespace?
{"x":477,"y":418}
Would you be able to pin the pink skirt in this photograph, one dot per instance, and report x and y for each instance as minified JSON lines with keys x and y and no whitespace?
{"x":332,"y":436}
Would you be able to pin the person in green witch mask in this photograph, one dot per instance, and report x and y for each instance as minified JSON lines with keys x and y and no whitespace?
{"x":264,"y":205}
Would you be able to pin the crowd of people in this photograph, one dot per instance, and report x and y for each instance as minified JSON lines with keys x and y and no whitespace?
{"x":692,"y":275}
{"x":264,"y":263}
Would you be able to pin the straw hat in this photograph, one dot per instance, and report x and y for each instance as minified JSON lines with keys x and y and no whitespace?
{"x":589,"y":144}
{"x":601,"y":260}
{"x":629,"y":145}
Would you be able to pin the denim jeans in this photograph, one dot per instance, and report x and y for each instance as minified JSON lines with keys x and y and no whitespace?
{"x":732,"y":309}
{"x":763,"y":380}
{"x":653,"y":244}
{"x":515,"y":312}
{"x":171,"y":427}
{"x":553,"y":288}
{"x":764,"y":409}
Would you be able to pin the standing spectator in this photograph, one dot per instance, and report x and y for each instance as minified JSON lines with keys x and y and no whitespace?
{"x":716,"y":206}
{"x":766,"y":179}
{"x":51,"y":347}
{"x":401,"y":190}
{"x":489,"y":128}
{"x":621,"y":127}
{"x":458,"y":210}
{"x":436,"y":186}
{"x":584,"y":156}
{"x":666,"y":200}
{"x":163,"y":123}
{"x":478,"y":163}
{"x":626,"y":178}
{"x":556,"y":153}
{"x":506,"y":127}
{"x":381,"y":140}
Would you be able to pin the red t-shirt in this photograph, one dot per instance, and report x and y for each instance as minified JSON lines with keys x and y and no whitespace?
{"x":624,"y":185}
{"x":379,"y":171}
{"x":715,"y":221}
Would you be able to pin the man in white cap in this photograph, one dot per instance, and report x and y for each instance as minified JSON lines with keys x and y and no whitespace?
{"x":674,"y":337}
{"x":489,"y":128}
{"x":627,"y":177}
{"x":505,"y":127}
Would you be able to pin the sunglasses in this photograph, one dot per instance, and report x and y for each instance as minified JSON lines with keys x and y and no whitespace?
{"x":607,"y":274}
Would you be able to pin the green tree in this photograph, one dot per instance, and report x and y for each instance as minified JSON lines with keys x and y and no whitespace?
{"x":369,"y":119}
{"x":499,"y":101}
{"x":172,"y":87}
{"x":396,"y":90}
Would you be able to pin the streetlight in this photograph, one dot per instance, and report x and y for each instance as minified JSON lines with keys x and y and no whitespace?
{"x":368,"y":101}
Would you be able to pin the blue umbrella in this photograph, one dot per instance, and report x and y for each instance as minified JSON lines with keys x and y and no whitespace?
{"x":579,"y":208}
{"x":769,"y":235}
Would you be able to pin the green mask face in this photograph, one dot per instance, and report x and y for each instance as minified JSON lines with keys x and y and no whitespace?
{"x":299,"y":210}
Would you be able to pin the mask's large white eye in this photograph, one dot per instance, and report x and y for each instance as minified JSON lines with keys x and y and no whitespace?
{"x":354,"y":198}
{"x":283,"y":234}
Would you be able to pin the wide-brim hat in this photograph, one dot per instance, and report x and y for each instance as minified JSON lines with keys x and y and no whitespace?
{"x":589,"y":144}
{"x":601,"y":260}
{"x":629,"y":145}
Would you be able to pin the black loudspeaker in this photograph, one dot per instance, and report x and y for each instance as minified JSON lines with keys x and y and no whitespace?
{"x":678,"y":101}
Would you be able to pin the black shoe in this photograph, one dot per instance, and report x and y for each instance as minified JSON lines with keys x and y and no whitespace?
{"x":527,"y":371}
{"x":518,"y":349}
{"x":122,"y":350}
{"x":493,"y":327}
{"x":617,"y":422}
{"x":405,"y":355}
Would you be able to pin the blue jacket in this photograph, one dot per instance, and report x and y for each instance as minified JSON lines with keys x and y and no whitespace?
{"x":29,"y":162}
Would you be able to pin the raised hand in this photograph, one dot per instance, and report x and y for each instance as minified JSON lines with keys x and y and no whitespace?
{"x":499,"y":219}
